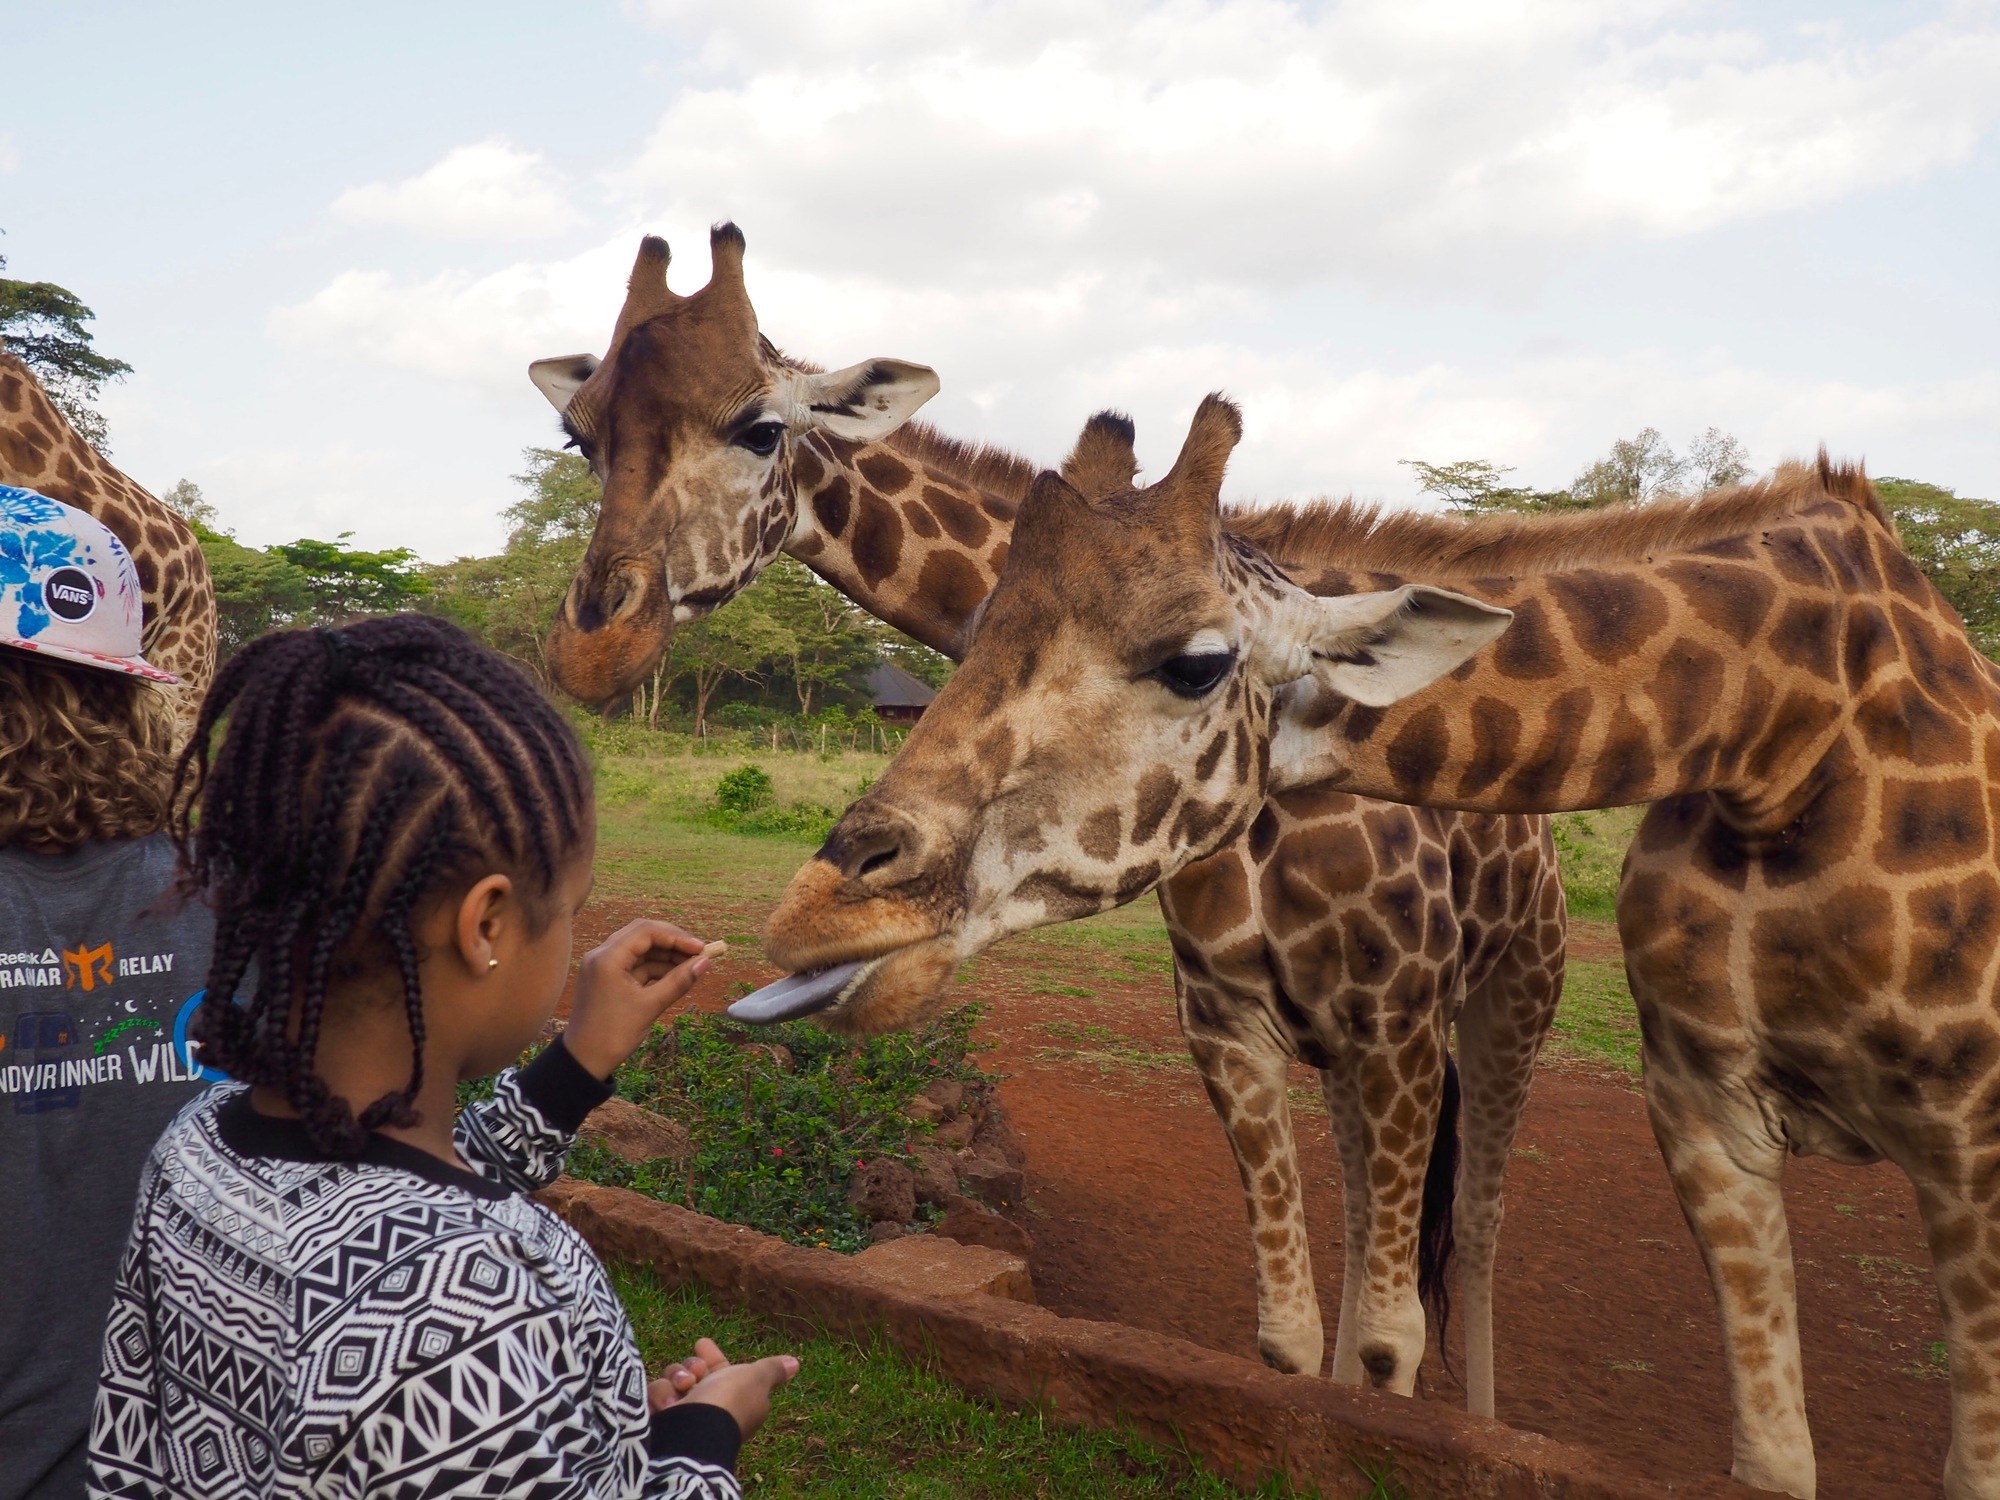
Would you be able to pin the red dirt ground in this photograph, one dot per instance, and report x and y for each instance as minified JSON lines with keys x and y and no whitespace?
{"x":1606,"y":1329}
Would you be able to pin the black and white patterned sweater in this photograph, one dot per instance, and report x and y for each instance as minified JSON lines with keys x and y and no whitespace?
{"x":288,"y":1326}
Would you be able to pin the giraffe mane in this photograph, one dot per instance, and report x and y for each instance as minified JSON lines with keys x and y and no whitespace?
{"x":1372,"y":538}
{"x":999,"y":471}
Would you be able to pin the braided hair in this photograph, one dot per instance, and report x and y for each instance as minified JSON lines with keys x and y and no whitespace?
{"x":359,"y":770}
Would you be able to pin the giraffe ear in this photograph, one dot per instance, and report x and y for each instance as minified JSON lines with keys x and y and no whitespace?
{"x":1379,"y":648}
{"x":562,"y":377}
{"x":864,"y":403}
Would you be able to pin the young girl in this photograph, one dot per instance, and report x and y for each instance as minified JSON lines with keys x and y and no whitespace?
{"x":330,"y":1289}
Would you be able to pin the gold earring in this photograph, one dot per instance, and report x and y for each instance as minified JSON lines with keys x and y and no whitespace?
{"x":492,"y":964}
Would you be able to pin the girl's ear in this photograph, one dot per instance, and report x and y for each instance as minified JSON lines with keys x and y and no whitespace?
{"x":483,"y":913}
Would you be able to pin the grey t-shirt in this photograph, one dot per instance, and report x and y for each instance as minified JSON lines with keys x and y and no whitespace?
{"x":96,"y":990}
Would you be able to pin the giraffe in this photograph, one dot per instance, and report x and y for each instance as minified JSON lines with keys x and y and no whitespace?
{"x":716,"y":451}
{"x":40,"y":450}
{"x":1810,"y":908}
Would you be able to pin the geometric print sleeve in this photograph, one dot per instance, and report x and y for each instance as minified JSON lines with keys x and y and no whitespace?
{"x":473,"y":1376}
{"x":519,"y":1137}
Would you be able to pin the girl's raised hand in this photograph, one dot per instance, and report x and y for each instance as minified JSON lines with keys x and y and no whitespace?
{"x":623,"y":986}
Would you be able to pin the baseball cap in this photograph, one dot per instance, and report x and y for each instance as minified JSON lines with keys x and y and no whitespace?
{"x":68,"y":588}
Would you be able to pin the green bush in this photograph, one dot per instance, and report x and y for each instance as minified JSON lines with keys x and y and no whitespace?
{"x":743,"y":790}
{"x":780,"y":1117}
{"x":801,"y":820}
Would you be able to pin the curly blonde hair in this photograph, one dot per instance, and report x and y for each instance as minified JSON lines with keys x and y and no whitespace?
{"x":85,"y":754}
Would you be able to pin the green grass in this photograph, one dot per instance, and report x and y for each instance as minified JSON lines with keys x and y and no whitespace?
{"x":1591,"y":846}
{"x":1106,"y":1050}
{"x":861,"y":1423}
{"x":1596,"y":1019}
{"x":1935,"y":1365}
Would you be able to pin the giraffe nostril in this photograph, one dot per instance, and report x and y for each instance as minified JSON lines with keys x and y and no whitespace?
{"x":606,"y":600}
{"x":861,"y":852}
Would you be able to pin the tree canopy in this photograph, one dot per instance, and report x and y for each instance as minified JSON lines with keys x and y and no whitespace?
{"x":1956,"y":541}
{"x":42,"y":324}
{"x":306,"y":582}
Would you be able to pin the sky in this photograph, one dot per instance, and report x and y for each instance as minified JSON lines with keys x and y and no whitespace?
{"x":329,"y":241}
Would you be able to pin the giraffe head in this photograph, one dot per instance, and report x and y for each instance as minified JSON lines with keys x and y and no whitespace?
{"x":690,"y":421}
{"x":1111,"y":723}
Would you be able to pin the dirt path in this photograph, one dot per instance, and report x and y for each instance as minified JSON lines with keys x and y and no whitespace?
{"x":1606,"y":1329}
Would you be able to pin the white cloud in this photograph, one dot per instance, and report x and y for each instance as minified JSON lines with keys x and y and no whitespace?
{"x":489,"y":189}
{"x":1266,"y":144}
{"x":10,"y":156}
{"x":1068,"y":204}
{"x":477,"y":330}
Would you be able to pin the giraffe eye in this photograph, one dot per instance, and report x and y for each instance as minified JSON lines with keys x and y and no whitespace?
{"x":1194,"y":674}
{"x":761,"y":438}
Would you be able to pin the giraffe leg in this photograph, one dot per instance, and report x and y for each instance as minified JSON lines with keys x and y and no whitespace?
{"x":1500,"y":1032}
{"x":1384,"y":1113}
{"x":1963,"y":1247}
{"x":1350,"y":1139}
{"x":1246,"y":1084}
{"x":1725,"y":1157}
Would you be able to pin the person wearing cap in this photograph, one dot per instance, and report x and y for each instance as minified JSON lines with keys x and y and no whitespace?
{"x":100,"y":968}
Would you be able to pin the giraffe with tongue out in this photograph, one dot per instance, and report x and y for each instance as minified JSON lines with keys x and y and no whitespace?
{"x":1810,"y":909}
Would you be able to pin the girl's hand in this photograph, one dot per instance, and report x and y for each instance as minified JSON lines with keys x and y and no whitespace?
{"x":744,"y":1391}
{"x":623,"y":986}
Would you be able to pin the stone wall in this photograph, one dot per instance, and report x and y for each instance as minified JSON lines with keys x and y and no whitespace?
{"x":1238,"y":1417}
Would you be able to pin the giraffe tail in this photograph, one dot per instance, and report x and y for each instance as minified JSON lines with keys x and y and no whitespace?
{"x":1434,"y":1228}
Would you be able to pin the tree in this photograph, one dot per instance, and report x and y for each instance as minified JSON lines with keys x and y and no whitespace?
{"x":184,"y":497}
{"x":1640,"y":468}
{"x":741,"y":639}
{"x":1645,"y":467}
{"x":307,"y":582}
{"x":510,"y":600}
{"x":1469,"y":484}
{"x":1473,"y":484}
{"x":255,"y":591}
{"x":1637,"y":468}
{"x":42,"y":323}
{"x":1714,"y":459}
{"x":828,"y":641}
{"x":1955,"y":540}
{"x":344,"y":581}
{"x":932,"y":668}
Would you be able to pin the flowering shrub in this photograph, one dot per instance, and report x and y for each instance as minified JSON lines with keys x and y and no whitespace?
{"x":781,"y":1117}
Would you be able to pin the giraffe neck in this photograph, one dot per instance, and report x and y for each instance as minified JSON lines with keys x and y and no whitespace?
{"x":1731,"y":668}
{"x":910,"y":542}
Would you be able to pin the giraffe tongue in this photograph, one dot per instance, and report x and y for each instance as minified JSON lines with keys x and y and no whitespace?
{"x":795,"y":995}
